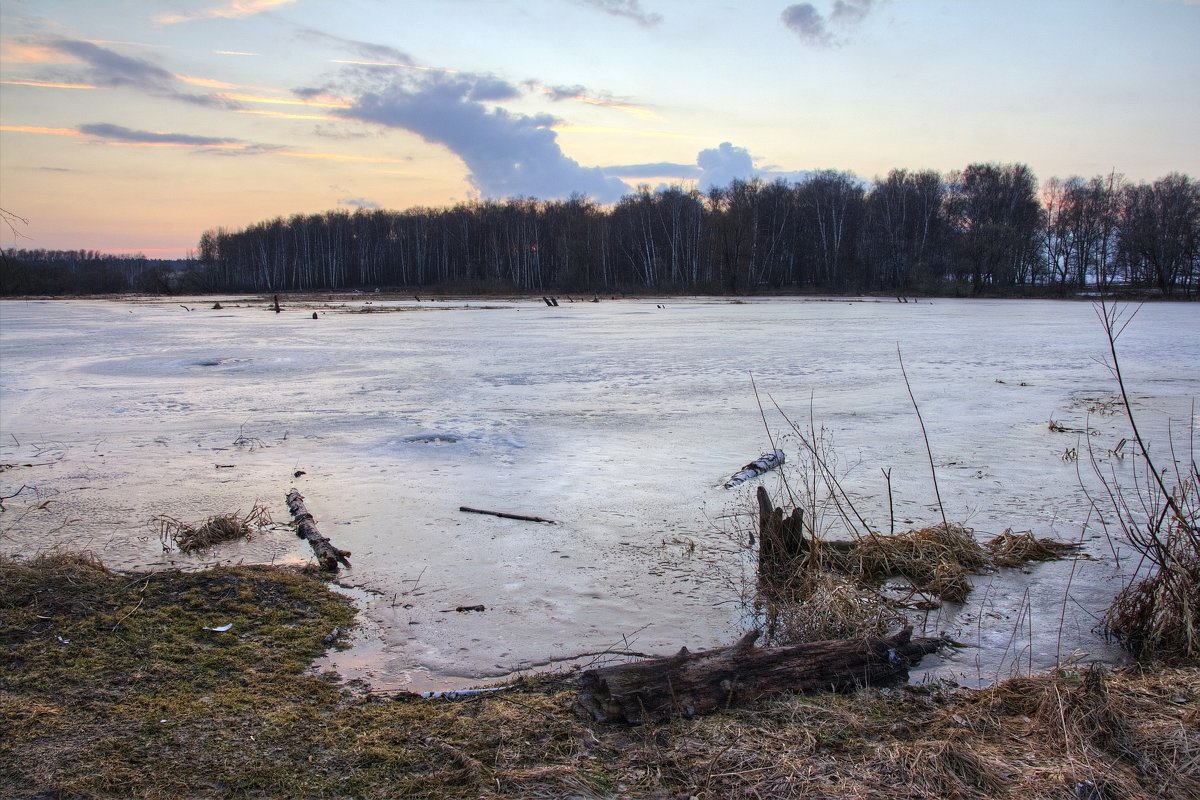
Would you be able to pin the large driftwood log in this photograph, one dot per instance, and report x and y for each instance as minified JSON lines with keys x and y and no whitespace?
{"x":327,"y":555}
{"x":689,"y":684}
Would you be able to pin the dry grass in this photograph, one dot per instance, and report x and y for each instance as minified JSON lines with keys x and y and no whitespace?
{"x":831,"y":606}
{"x":213,"y":531}
{"x":836,"y":593}
{"x":936,"y":559}
{"x":1158,"y":617}
{"x":141,"y":701}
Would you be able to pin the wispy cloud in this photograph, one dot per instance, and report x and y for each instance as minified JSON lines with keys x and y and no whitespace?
{"x":358,"y":202}
{"x":233,"y":53}
{"x":390,"y":64}
{"x":629,"y":9}
{"x":807,"y":22}
{"x":581,"y":94}
{"x":287,"y":115}
{"x":111,"y":69}
{"x":371,"y":53}
{"x":206,"y":83}
{"x":108,"y":69}
{"x":40,"y":130}
{"x":120,"y":135}
{"x":33,"y":52}
{"x":49,"y":84}
{"x":316,"y":101}
{"x":231,"y":10}
{"x":123,"y":135}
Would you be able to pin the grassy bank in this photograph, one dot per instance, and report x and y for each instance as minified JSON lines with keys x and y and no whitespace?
{"x":116,"y":686}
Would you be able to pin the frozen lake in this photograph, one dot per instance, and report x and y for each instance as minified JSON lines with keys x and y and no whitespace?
{"x":618,"y":419}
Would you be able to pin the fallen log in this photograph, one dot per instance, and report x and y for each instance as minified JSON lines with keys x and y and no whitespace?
{"x":506,"y":515}
{"x":765,"y":462}
{"x":690,"y":684}
{"x":327,"y":555}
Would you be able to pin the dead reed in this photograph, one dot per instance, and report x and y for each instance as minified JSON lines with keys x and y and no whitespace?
{"x":1156,"y":616}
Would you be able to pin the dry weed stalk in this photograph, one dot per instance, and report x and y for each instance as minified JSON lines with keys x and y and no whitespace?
{"x":1157,"y":614}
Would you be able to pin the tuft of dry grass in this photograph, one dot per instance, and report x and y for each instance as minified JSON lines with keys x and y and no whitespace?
{"x":213,"y":531}
{"x":936,"y":559}
{"x":1159,"y":616}
{"x":1014,"y":549}
{"x":831,"y":606}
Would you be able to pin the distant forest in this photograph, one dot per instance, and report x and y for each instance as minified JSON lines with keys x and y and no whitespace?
{"x":986,"y":230}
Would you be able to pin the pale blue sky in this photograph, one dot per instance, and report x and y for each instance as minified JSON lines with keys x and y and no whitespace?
{"x":137,"y":125}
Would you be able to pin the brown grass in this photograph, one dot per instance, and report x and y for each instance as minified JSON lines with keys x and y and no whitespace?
{"x":831,"y":606}
{"x":936,"y":559}
{"x":157,"y":707}
{"x":1159,"y":616}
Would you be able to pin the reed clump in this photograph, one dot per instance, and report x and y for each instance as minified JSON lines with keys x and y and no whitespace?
{"x":174,"y":533}
{"x":1014,"y":549}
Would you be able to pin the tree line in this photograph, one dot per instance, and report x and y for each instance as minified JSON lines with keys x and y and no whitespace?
{"x":987,"y":229}
{"x":59,"y":272}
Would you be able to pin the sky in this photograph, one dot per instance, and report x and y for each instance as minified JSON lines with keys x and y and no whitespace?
{"x":135,"y":126}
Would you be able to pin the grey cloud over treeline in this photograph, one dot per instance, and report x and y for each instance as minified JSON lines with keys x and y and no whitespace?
{"x":507,"y":154}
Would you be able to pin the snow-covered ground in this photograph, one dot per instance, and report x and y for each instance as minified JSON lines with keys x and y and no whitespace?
{"x":621,"y":420}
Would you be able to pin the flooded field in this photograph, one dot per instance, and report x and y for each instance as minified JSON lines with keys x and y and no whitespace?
{"x":618,"y":420}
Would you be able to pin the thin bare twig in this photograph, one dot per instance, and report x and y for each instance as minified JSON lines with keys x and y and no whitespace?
{"x":928,"y":449}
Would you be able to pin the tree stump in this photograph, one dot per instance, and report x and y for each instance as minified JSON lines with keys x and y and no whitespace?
{"x":781,"y":547}
{"x":690,"y":684}
{"x":784,"y":549}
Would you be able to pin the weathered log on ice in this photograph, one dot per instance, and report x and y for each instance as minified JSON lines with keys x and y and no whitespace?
{"x":690,"y":684}
{"x":765,"y":462}
{"x":327,"y":555}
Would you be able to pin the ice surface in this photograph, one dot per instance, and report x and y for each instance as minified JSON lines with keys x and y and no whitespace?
{"x":620,"y":420}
